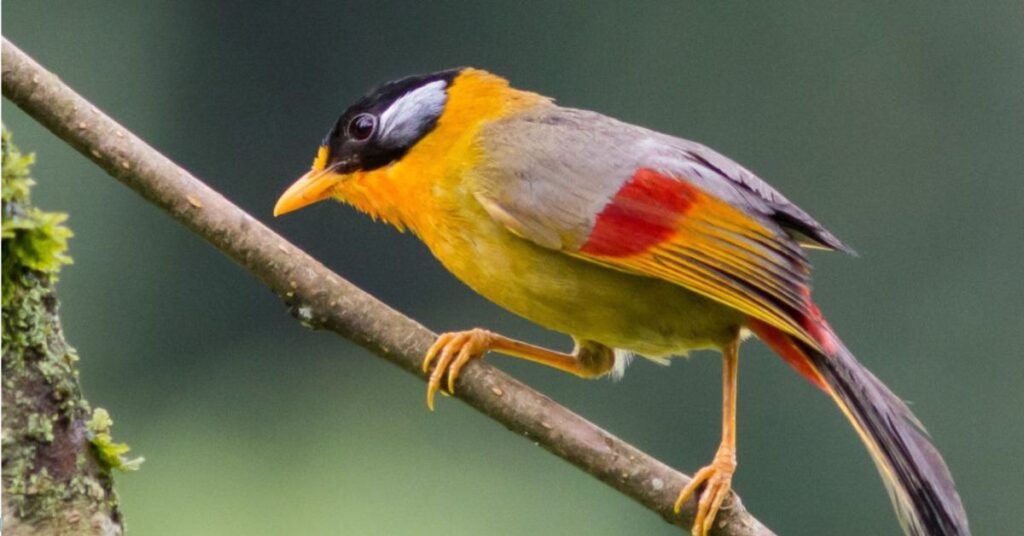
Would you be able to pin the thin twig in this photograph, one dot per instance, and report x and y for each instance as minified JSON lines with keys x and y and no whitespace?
{"x":322,"y":299}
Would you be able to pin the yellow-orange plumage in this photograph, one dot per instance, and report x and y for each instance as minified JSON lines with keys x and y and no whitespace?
{"x":621,"y":237}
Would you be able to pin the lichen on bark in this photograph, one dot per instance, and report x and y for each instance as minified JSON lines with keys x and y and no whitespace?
{"x":56,"y":467}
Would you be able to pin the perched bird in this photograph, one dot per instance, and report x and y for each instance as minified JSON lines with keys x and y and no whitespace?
{"x":628,"y":240}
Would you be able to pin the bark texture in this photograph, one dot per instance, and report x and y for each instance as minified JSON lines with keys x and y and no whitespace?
{"x":54,"y":478}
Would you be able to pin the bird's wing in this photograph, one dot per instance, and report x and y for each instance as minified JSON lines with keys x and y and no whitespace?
{"x":642,"y":202}
{"x":756,"y":194}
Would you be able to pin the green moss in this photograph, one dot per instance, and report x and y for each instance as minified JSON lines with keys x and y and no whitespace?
{"x":56,"y":470}
{"x":40,"y":427}
{"x":32,"y":238}
{"x":16,"y":170}
{"x":110,"y":454}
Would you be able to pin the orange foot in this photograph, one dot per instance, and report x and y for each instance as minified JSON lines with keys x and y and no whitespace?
{"x":717,"y":481}
{"x":452,"y":351}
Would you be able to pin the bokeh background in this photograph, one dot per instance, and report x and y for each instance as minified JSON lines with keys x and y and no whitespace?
{"x":901,"y":126}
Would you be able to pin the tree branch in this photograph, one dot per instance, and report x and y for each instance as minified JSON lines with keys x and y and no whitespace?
{"x":323,"y":300}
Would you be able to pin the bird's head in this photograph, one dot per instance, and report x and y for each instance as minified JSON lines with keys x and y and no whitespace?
{"x":392,"y":121}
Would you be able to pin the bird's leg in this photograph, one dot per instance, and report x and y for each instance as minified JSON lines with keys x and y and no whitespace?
{"x":453,"y":350}
{"x":717,"y":477}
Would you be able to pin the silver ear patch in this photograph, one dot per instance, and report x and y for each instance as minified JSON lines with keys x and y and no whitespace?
{"x":408,"y":117}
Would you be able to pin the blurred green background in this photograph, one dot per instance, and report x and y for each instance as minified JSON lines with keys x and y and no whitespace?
{"x":899,"y":126}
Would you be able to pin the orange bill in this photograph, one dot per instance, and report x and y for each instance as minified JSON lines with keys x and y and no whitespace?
{"x":314,"y":186}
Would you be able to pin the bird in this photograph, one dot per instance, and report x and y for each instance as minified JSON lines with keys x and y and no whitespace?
{"x":630,"y":241}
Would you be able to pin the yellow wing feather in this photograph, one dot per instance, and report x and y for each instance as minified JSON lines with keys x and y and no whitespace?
{"x":717,"y":250}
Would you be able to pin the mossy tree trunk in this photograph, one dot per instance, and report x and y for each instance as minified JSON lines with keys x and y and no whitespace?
{"x":57,"y":454}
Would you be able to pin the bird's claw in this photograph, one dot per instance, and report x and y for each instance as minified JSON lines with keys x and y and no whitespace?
{"x":717,"y":482}
{"x":452,"y":351}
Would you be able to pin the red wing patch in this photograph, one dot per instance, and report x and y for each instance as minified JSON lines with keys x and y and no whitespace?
{"x":643,"y":213}
{"x":662,"y":226}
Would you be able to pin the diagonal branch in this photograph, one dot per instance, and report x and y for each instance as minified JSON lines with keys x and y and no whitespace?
{"x":323,"y":300}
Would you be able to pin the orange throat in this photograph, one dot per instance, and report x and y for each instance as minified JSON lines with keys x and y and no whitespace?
{"x":377,"y":194}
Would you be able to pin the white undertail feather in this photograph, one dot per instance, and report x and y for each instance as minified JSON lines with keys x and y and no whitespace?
{"x":624,"y":357}
{"x":622,"y":360}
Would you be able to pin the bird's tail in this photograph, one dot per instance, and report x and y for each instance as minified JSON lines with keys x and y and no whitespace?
{"x":916,"y":477}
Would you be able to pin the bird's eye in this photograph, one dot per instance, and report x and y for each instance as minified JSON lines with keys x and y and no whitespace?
{"x":361,"y":127}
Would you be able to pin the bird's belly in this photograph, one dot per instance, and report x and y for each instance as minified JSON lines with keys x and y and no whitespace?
{"x":645,"y":315}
